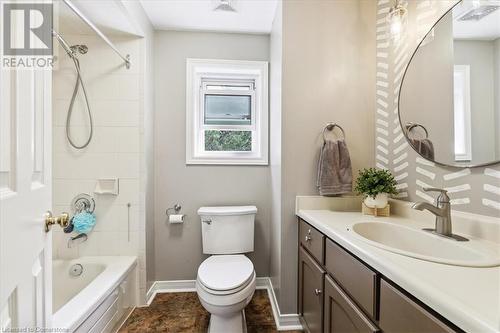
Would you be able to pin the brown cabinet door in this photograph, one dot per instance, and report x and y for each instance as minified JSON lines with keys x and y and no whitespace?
{"x":312,"y":240}
{"x":399,"y":314}
{"x":341,"y":313}
{"x":354,"y":276}
{"x":310,"y":292}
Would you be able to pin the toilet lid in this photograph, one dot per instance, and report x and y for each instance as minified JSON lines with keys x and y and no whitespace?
{"x":225,"y":272}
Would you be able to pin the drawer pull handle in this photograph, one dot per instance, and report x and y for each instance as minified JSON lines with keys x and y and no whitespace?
{"x":317,"y":292}
{"x":309,"y":231}
{"x":308,"y":238}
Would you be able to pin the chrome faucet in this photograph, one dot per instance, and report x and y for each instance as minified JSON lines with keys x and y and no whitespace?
{"x":442,"y":210}
{"x":81,"y":237}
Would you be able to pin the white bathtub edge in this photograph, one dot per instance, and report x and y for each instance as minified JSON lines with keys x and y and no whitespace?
{"x":73,"y":314}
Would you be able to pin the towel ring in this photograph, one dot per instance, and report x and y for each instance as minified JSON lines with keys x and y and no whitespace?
{"x":410,"y":126}
{"x":330,"y":127}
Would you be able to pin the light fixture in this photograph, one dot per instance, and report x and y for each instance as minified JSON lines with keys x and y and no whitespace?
{"x":395,"y":19}
{"x":479,"y":12}
{"x":224,"y":5}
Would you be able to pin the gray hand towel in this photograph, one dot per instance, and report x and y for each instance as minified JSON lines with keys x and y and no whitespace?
{"x":334,"y":169}
{"x":424,"y":147}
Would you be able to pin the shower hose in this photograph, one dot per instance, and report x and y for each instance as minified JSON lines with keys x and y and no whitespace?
{"x":78,"y":82}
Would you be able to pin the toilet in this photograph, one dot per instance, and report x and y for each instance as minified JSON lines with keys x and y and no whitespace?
{"x":226,"y":280}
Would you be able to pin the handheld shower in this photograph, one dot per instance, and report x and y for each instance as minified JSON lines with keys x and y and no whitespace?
{"x":82,"y":49}
{"x":72,"y":52}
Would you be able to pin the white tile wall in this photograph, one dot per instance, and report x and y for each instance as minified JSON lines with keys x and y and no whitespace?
{"x":116,"y":151}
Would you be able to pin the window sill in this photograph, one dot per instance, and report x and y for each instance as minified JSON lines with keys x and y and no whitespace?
{"x":205,"y":161}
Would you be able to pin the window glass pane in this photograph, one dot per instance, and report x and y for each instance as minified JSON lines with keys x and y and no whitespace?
{"x":228,"y":110}
{"x":216,"y":140}
{"x":223,"y":87}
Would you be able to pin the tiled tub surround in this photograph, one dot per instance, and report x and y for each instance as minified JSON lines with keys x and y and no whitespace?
{"x":116,"y":150}
{"x":467,"y":297}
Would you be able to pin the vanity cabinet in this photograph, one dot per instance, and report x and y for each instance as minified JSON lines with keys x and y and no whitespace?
{"x":398,"y":313}
{"x":357,"y":279}
{"x":311,"y":283}
{"x":339,"y":293}
{"x":341,"y":314}
{"x":312,"y":240}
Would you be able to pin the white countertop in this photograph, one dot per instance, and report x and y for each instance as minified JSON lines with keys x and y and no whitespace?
{"x":468,"y":297}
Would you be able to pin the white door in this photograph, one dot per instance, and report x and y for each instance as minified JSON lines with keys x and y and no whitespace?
{"x":25,"y":196}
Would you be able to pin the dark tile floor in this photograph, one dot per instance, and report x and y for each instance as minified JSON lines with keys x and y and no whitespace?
{"x":182,"y":312}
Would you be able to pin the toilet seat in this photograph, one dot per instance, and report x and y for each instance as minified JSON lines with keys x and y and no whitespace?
{"x":225,"y":274}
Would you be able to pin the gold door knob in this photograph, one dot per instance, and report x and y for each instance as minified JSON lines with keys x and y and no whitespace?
{"x":62,"y":220}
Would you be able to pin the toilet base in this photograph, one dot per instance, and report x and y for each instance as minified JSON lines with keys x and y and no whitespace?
{"x":224,"y":324}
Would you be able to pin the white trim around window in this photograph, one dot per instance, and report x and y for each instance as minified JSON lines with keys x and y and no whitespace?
{"x":206,"y":77}
{"x":462,"y":113}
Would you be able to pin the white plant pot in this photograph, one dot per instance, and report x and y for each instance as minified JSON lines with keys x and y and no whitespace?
{"x":380,"y":201}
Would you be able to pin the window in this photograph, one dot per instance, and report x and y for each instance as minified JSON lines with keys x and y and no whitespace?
{"x":226,"y":112}
{"x":462,"y":116}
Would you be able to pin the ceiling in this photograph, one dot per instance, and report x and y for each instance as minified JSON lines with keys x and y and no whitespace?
{"x":487,"y":28}
{"x":251,"y":16}
{"x":97,"y":11}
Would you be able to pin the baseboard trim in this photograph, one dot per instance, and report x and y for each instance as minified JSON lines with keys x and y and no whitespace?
{"x":284,"y":322}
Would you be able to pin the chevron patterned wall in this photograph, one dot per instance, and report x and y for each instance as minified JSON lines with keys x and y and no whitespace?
{"x":473,"y":190}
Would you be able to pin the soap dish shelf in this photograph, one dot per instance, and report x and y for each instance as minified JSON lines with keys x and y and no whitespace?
{"x":107,"y":186}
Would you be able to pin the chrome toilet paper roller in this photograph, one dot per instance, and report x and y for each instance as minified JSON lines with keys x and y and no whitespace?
{"x":176,"y":217}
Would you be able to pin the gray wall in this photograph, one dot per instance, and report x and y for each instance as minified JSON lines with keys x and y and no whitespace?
{"x":275,"y":78}
{"x":472,"y":190}
{"x":178,"y":248}
{"x":328,"y":74}
{"x":427,"y":96}
{"x":147,"y":124}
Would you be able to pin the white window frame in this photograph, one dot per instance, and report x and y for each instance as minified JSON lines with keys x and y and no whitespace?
{"x":463,"y":71}
{"x":204,"y":72}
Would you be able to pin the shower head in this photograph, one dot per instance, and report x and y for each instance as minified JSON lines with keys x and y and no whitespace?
{"x":63,"y":43}
{"x":73,"y":50}
{"x":82,"y":49}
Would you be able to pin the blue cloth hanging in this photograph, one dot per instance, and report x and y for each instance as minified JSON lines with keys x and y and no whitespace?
{"x":84,"y":222}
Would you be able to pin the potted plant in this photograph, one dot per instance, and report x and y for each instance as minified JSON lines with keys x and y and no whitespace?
{"x":375,"y":185}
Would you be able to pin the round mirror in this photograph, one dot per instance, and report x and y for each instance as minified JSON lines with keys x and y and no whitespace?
{"x":449,"y":101}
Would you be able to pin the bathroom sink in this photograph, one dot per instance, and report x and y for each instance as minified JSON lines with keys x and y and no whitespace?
{"x":413,"y":242}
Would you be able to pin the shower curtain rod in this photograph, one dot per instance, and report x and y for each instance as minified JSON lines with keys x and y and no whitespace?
{"x":126,"y":58}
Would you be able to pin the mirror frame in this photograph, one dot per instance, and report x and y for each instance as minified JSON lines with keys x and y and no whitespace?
{"x":464,"y":166}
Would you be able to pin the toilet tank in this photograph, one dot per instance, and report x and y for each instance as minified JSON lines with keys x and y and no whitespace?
{"x":227,"y":229}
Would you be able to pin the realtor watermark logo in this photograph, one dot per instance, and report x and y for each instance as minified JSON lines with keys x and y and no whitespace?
{"x":26,"y":35}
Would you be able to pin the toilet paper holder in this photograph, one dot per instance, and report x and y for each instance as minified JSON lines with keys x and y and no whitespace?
{"x":176,"y":217}
{"x":177,"y":208}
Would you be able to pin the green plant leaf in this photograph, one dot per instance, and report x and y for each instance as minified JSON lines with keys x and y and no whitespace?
{"x":372,"y":181}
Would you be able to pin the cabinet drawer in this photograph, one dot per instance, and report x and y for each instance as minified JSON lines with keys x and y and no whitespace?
{"x":398,"y":313}
{"x":311,"y":282}
{"x":341,"y":314}
{"x":352,"y":275}
{"x":312,"y":240}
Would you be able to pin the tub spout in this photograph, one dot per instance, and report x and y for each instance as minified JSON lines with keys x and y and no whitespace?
{"x":81,"y":237}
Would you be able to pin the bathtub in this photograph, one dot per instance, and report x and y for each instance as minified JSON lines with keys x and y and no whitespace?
{"x":98,"y":298}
